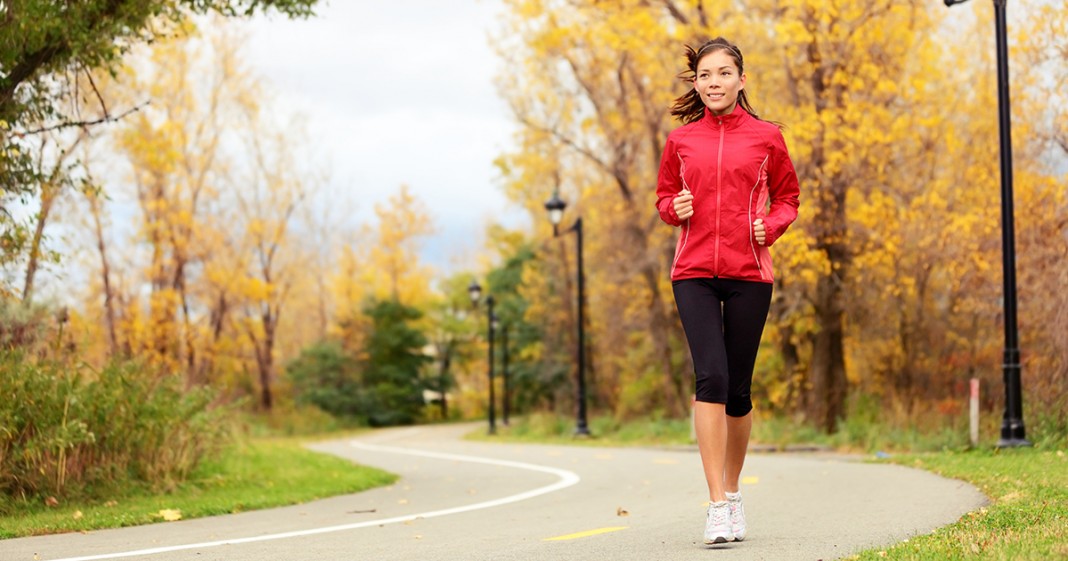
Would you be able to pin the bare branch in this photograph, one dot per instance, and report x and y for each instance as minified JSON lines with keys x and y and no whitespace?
{"x":100,"y":98}
{"x":83,"y":124}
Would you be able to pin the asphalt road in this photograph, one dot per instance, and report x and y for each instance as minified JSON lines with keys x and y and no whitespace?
{"x":462,"y":500}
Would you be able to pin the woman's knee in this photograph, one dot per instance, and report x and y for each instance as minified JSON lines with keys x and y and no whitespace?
{"x":739,"y":406}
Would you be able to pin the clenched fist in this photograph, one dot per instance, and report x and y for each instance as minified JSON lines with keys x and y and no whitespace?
{"x":684,"y":204}
{"x":759,"y":232}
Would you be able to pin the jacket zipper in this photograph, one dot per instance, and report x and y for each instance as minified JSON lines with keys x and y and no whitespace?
{"x":719,"y":191}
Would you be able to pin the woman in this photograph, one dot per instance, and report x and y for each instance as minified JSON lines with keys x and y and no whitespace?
{"x":718,"y":174}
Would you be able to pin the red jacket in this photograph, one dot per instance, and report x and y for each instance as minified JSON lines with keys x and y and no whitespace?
{"x":733,"y":165}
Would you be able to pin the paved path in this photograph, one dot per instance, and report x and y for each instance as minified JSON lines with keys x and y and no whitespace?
{"x":472,"y":501}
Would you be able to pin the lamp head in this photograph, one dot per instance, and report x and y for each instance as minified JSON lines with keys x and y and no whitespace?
{"x":474,"y":290}
{"x":556,"y":207}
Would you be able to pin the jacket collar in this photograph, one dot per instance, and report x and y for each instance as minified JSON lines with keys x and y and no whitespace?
{"x":729,"y":121}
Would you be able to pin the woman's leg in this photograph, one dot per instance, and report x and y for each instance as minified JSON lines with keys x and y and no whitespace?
{"x":700,"y":310}
{"x":745,"y":311}
{"x":738,"y":429}
{"x":710,"y":424}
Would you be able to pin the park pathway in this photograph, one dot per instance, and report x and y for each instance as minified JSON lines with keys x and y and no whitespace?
{"x":473,"y":501}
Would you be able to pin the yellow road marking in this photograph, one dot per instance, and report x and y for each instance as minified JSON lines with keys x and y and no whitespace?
{"x":751,"y":480}
{"x":586,"y":534}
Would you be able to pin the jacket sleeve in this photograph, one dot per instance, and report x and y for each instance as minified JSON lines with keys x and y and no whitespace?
{"x":668,"y":184}
{"x":783,"y":190}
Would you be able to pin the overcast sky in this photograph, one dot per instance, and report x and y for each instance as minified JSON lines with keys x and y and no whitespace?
{"x":399,"y":92}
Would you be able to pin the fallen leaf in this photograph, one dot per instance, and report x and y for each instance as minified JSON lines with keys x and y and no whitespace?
{"x":620,"y":511}
{"x":111,"y":503}
{"x":77,"y":515}
{"x":170,"y":514}
{"x":51,"y":501}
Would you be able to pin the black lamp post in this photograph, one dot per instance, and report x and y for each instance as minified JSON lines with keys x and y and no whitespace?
{"x":556,"y":206}
{"x":1012,"y":425}
{"x":504,"y":373}
{"x":475,"y":291}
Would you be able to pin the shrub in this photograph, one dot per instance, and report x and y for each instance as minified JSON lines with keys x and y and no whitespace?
{"x":325,"y":377}
{"x":65,"y":428}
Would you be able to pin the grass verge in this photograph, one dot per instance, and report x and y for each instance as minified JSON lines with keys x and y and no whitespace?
{"x":258,"y":474}
{"x":547,"y":428}
{"x":1027,"y":520}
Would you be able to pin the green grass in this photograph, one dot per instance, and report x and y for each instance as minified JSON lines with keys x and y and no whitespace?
{"x":605,"y":431}
{"x":260,"y":474}
{"x":1028,"y":517}
{"x":776,"y":432}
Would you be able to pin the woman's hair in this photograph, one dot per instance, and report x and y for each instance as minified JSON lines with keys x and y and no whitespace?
{"x":689,"y":107}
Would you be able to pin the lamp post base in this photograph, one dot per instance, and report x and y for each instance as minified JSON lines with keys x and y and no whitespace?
{"x":1014,"y":443}
{"x":1012,"y":434}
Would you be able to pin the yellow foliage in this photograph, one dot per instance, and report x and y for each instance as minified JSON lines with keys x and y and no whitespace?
{"x":891,"y":131}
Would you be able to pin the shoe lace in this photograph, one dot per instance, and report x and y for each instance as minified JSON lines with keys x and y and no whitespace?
{"x":736,"y":510}
{"x":718,"y":516}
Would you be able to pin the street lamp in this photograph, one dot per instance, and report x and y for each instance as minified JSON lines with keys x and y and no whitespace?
{"x":504,"y":373}
{"x":556,"y":206}
{"x":1012,"y":425}
{"x":475,"y":291}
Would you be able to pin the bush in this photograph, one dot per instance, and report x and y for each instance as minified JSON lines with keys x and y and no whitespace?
{"x":22,"y":325}
{"x":325,"y":377}
{"x":66,"y":428}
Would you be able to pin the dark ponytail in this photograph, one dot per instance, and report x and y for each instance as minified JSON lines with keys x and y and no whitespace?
{"x":689,"y":107}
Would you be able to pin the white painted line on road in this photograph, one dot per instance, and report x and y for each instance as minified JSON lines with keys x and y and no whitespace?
{"x":567,"y":479}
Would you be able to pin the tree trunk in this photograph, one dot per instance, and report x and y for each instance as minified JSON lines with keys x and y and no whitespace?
{"x":827,"y":371}
{"x":105,"y":276}
{"x":265,"y":360}
{"x":48,"y":196}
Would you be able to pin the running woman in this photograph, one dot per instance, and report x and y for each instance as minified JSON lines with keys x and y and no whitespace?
{"x":727,"y":180}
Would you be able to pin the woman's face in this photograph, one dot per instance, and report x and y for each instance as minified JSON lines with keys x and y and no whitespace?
{"x":718,"y":82}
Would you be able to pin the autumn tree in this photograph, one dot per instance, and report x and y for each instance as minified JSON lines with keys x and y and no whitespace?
{"x":268,"y":201}
{"x":589,"y":83}
{"x":899,"y":194}
{"x":382,"y":263}
{"x":46,"y":81}
{"x":217,"y":185}
{"x":175,"y":149}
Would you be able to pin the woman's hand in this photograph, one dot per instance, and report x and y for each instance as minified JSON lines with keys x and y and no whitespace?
{"x":684,"y":204}
{"x":759,"y":232}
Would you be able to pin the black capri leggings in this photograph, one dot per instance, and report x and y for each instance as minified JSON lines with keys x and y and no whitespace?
{"x":723,"y":320}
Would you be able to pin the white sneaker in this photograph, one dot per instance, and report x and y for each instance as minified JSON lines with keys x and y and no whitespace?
{"x":718,"y":523}
{"x":734,"y":500}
